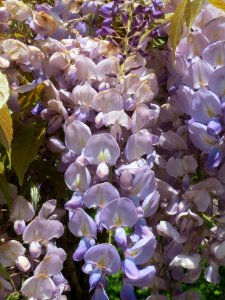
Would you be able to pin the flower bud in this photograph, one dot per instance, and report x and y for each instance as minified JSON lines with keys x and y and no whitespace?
{"x":35,"y":249}
{"x":121,"y":237}
{"x":22,"y":263}
{"x":102,"y":171}
{"x":19,"y":226}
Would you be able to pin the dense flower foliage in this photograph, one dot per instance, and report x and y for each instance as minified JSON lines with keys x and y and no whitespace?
{"x":117,"y":160}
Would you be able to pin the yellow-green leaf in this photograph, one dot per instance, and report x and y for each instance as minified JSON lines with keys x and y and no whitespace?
{"x":2,"y":168}
{"x":4,"y":90}
{"x":26,"y":143}
{"x":4,"y":188}
{"x":5,"y":274}
{"x":218,"y":3}
{"x":14,"y":296}
{"x":177,"y":24}
{"x":27,"y":101}
{"x":18,"y":35}
{"x":6,"y":128}
{"x":192,"y":9}
{"x":167,"y":18}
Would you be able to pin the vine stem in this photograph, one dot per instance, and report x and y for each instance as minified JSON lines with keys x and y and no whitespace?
{"x":126,"y":39}
{"x":110,"y":236}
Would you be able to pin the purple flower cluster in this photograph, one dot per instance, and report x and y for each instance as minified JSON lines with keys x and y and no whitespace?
{"x":194,"y":115}
{"x":104,"y":167}
{"x":43,"y":261}
{"x":144,"y":171}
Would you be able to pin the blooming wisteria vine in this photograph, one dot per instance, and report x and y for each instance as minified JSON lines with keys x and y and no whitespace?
{"x":112,"y":148}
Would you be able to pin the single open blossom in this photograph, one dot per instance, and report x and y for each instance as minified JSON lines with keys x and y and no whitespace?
{"x":102,"y":257}
{"x":10,"y":251}
{"x":214,"y":54}
{"x":198,"y":74}
{"x":42,"y":230}
{"x":205,"y":106}
{"x":139,"y":144}
{"x":107,"y":69}
{"x":57,"y":62}
{"x":143,"y":183}
{"x":144,"y":117}
{"x":86,"y":68}
{"x":76,"y":136}
{"x":100,"y":194}
{"x":83,"y":94}
{"x":103,"y":101}
{"x":118,"y":213}
{"x":102,"y":148}
{"x":207,"y":29}
{"x":77,"y":177}
{"x":80,"y":224}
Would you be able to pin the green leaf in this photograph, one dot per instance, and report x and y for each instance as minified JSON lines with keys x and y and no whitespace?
{"x":14,"y":296}
{"x":158,"y":42}
{"x":6,"y":275}
{"x":192,"y":9}
{"x":176,"y":25}
{"x":26,"y":143}
{"x":2,"y":168}
{"x":4,"y":188}
{"x":28,"y":100}
{"x":218,"y":3}
{"x":4,"y":90}
{"x":6,"y":129}
{"x":167,"y":18}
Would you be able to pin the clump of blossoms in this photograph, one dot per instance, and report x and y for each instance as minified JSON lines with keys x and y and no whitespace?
{"x":143,"y":171}
{"x":193,"y":120}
